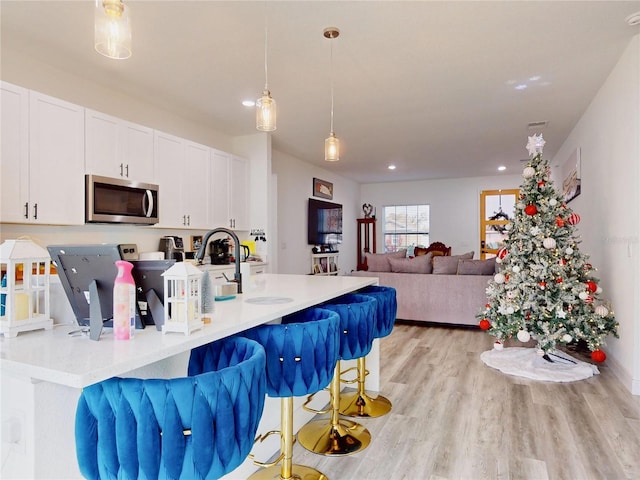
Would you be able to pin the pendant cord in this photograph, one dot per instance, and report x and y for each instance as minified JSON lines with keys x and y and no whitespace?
{"x":266,"y":39}
{"x":331,"y":75}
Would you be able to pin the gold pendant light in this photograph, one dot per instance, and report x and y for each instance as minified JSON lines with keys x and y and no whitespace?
{"x":331,"y":144}
{"x":112,"y":29}
{"x":266,"y":105}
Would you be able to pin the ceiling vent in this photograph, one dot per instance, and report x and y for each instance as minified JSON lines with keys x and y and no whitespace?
{"x":537,"y":125}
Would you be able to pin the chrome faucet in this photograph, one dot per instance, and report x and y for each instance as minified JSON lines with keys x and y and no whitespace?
{"x":200,"y":255}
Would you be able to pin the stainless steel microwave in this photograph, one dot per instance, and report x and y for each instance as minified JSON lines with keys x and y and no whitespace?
{"x":115,"y":200}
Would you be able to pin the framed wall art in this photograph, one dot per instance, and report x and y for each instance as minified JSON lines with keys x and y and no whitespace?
{"x":322,"y":189}
{"x":571,"y":177}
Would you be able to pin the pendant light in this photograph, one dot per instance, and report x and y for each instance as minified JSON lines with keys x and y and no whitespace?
{"x":112,"y":29}
{"x":331,"y":144}
{"x":265,"y":105}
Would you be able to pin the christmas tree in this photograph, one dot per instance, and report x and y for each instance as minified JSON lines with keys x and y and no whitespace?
{"x":545,"y":289}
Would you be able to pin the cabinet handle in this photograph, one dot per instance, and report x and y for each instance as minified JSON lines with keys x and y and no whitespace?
{"x":184,"y":220}
{"x":35,"y":211}
{"x":127,"y":171}
{"x":122,"y":169}
{"x":26,"y":210}
{"x":188,"y":220}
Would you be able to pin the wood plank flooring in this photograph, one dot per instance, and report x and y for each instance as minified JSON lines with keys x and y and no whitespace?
{"x":455,"y":418}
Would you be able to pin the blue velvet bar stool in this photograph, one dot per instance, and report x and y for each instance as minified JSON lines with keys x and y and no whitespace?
{"x":340,"y":436}
{"x":360,"y":403}
{"x":200,"y":426}
{"x":302,"y":353}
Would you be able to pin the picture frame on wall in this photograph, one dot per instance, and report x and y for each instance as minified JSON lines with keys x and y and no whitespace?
{"x":571,"y":183}
{"x":322,"y":189}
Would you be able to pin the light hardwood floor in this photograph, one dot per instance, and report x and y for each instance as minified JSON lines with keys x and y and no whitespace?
{"x":455,"y":418}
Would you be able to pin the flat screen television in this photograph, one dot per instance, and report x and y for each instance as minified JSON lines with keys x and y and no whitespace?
{"x":87,"y":273}
{"x":324,"y":223}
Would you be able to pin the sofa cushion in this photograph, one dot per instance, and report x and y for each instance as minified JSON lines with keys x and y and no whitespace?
{"x":379,"y":262}
{"x":420,"y":264}
{"x":477,"y":267}
{"x":448,"y":265}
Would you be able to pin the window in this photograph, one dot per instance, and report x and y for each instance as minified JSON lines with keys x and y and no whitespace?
{"x":404,"y":226}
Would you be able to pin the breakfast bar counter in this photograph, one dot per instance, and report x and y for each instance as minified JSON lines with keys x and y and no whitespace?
{"x":43,"y":372}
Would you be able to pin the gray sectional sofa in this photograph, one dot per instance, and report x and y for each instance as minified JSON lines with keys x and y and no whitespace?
{"x":449,"y":290}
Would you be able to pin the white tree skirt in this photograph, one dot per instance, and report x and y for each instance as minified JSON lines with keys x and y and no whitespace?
{"x":525,"y":362}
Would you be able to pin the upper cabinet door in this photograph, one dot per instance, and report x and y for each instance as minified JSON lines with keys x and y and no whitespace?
{"x":56,"y":161}
{"x":219,"y":211}
{"x":195,"y":181}
{"x":239,"y":193}
{"x":169,"y":156}
{"x":117,"y":148}
{"x":14,"y":160}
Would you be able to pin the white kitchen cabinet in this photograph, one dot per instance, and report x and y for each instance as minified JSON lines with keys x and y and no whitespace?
{"x":230,"y":191}
{"x":42,"y":159}
{"x":117,"y":148}
{"x":182,"y":172}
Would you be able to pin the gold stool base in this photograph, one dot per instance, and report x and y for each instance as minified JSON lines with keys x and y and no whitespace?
{"x":298,"y":472}
{"x":358,"y":404}
{"x":345,"y":438}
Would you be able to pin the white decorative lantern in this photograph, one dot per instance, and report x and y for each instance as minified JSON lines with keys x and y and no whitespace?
{"x":182,"y":299}
{"x":24,"y":291}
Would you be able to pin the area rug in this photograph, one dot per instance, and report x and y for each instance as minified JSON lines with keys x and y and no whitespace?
{"x":526,"y":362}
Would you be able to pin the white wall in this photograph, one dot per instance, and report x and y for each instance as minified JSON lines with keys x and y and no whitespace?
{"x":295,"y":187}
{"x":608,"y":135}
{"x":454,"y":206}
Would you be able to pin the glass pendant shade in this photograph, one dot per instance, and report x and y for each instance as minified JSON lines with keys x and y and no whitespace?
{"x":112,"y":29}
{"x":332,"y":148}
{"x":266,"y":112}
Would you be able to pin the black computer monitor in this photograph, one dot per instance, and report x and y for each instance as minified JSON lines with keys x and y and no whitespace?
{"x":149,"y":281}
{"x":87,"y":273}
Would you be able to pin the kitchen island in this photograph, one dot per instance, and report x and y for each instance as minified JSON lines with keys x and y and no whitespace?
{"x":43,"y":372}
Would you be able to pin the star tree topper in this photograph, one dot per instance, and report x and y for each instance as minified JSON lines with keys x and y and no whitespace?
{"x":535,"y":144}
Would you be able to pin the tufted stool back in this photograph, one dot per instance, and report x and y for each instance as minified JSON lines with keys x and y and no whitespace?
{"x":357,"y":319}
{"x":387,"y":308}
{"x":301,"y":351}
{"x":202,"y":426}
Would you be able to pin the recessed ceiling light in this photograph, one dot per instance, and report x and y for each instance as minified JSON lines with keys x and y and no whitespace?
{"x":633,"y":19}
{"x":391,"y":167}
{"x":502,"y":168}
{"x":535,"y":78}
{"x":522,"y":86}
{"x":249,"y":103}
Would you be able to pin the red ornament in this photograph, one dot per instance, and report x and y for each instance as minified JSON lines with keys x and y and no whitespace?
{"x":506,"y":278}
{"x":531,"y":209}
{"x":587,"y":267}
{"x":589,"y":299}
{"x":559,"y":280}
{"x":528,"y":315}
{"x":484,"y":324}
{"x":592,"y":286}
{"x":559,"y":222}
{"x":541,"y":183}
{"x":502,"y":253}
{"x":543,"y":284}
{"x":487,"y":306}
{"x":574,"y":219}
{"x":598,"y":356}
{"x":563,"y":261}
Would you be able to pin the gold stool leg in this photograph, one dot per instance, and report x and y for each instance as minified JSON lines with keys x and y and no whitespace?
{"x":287,"y":470}
{"x":337,"y":437}
{"x":359,"y":404}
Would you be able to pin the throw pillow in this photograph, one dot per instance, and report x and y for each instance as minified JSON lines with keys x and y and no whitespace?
{"x":477,"y":267}
{"x":448,"y":265}
{"x":421,"y":264}
{"x":379,"y":262}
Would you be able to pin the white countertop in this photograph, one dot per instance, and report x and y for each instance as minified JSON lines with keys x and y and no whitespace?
{"x":55,"y":356}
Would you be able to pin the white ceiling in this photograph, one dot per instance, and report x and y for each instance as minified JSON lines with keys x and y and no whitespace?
{"x":426,"y":85}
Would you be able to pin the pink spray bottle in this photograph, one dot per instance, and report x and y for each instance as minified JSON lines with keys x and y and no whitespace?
{"x":124,"y":302}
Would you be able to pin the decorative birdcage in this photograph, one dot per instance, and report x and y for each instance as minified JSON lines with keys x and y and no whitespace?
{"x":182,"y":298}
{"x":24,"y":291}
